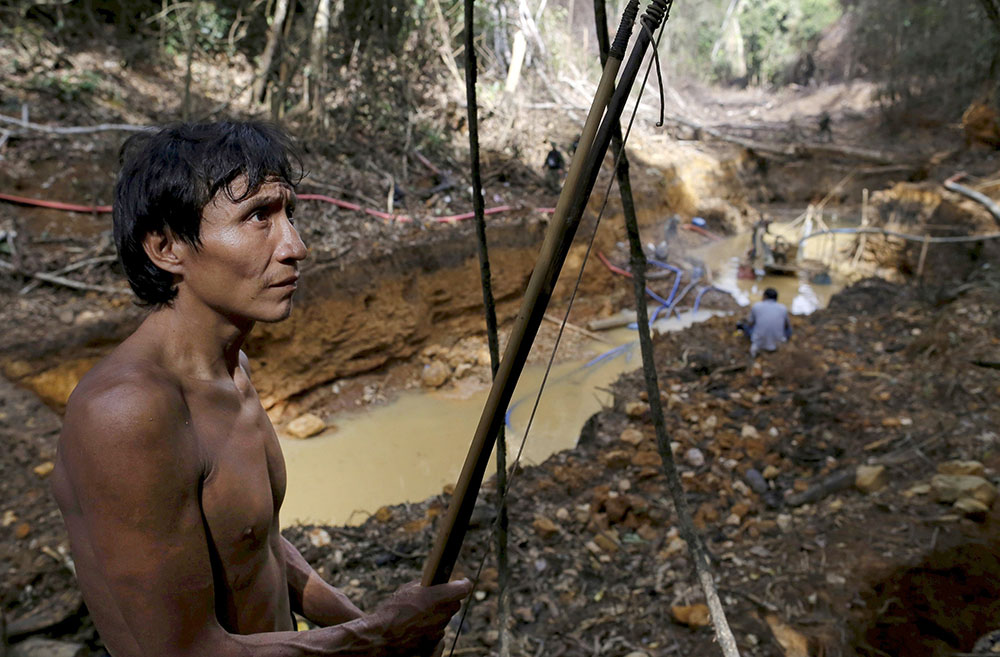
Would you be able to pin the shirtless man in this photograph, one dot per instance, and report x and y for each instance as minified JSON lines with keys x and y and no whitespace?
{"x":169,"y":475}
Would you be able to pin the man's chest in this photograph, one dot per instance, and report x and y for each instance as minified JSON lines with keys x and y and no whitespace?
{"x":245,"y":476}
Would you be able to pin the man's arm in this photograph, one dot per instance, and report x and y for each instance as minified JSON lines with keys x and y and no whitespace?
{"x":311,"y":596}
{"x":132,"y":470}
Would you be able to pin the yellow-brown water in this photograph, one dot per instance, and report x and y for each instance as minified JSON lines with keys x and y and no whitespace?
{"x":802,"y":297}
{"x":409,"y":449}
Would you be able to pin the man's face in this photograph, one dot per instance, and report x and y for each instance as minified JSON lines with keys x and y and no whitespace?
{"x":247,"y":264}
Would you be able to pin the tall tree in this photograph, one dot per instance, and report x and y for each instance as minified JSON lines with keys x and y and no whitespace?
{"x":274,"y":39}
{"x":327,"y":12}
{"x":992,"y":9}
{"x":190,"y":41}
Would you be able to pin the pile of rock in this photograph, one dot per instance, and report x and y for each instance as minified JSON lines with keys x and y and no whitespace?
{"x":963,"y":485}
{"x":469,"y":356}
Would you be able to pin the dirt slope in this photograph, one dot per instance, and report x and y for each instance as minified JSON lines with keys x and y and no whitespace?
{"x":885,"y":375}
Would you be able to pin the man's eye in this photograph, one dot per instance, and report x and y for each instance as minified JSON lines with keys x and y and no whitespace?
{"x":257,"y":216}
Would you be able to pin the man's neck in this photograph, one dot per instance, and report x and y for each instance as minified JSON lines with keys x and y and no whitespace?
{"x":197,"y":341}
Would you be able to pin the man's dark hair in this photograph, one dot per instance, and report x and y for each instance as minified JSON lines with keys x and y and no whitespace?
{"x":167,"y":177}
{"x":771,"y":293}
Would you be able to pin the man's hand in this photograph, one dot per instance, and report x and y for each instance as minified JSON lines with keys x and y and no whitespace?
{"x":413,"y":619}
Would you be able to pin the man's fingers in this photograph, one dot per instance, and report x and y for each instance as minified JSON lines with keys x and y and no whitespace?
{"x":458,"y":589}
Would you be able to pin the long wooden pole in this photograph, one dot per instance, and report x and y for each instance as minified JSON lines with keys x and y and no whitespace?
{"x":582,"y":173}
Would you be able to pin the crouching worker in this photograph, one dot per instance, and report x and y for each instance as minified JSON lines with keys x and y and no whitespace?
{"x":768,"y":325}
{"x":169,"y":475}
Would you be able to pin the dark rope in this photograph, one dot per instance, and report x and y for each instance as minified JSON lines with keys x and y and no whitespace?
{"x":659,"y":84}
{"x":638,"y":264}
{"x":505,"y":490}
{"x":489,"y":304}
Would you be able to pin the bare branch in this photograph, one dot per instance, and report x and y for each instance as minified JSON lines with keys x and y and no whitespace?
{"x":73,"y":130}
{"x":65,"y":282}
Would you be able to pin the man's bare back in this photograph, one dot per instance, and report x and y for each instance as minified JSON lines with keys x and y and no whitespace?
{"x":170,"y":477}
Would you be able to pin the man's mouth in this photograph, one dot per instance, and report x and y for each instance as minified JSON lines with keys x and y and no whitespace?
{"x":291,"y":281}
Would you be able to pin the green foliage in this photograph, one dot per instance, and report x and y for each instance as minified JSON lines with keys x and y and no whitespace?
{"x":68,"y":87}
{"x":210,"y":22}
{"x":777,"y":32}
{"x":927,"y":52}
{"x":689,"y":36}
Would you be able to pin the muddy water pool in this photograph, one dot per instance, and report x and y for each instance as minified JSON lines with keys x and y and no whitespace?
{"x":410,"y":448}
{"x":797,"y":292}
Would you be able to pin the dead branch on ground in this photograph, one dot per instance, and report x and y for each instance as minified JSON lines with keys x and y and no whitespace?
{"x":60,"y":280}
{"x":71,"y":130}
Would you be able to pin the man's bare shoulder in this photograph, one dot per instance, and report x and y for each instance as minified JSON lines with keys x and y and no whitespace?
{"x":124,"y":399}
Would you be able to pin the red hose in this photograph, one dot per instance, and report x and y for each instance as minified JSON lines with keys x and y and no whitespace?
{"x":699,"y":229}
{"x":611,"y":267}
{"x":55,"y":205}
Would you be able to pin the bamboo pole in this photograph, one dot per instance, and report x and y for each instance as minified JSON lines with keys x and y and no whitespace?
{"x":562,"y":228}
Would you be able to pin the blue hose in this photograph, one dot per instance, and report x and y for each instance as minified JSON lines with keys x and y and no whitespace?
{"x":664,"y":303}
{"x":677,"y":279}
{"x":608,"y":354}
{"x":656,"y":313}
{"x":657,"y":297}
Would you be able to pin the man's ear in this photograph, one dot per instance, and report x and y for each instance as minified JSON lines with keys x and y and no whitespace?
{"x":165,"y":250}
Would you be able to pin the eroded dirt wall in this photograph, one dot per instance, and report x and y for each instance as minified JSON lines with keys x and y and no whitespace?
{"x":352,"y":315}
{"x":357,"y":319}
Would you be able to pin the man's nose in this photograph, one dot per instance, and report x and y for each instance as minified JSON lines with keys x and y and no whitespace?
{"x":291,"y":247}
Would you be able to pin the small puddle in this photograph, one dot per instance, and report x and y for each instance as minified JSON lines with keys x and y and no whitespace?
{"x":409,"y":449}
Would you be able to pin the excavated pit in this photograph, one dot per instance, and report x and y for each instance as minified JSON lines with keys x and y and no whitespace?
{"x":939,"y":607}
{"x":381,"y":298}
{"x":373,"y":294}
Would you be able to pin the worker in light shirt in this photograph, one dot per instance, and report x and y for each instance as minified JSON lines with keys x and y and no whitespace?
{"x":768,"y":324}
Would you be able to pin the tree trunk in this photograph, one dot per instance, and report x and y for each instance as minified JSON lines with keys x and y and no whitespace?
{"x":315,"y":73}
{"x":287,"y":68}
{"x":274,"y":39}
{"x":992,"y":9}
{"x":190,"y":38}
{"x":730,"y":42}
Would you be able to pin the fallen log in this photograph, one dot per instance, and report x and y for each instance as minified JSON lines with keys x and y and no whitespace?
{"x":623,"y":318}
{"x":795,"y":149}
{"x":798,"y":149}
{"x":576,"y":329}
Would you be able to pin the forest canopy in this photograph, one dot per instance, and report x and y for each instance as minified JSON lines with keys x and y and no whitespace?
{"x":337,"y":62}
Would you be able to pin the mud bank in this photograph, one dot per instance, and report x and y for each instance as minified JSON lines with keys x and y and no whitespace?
{"x":372,"y":293}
